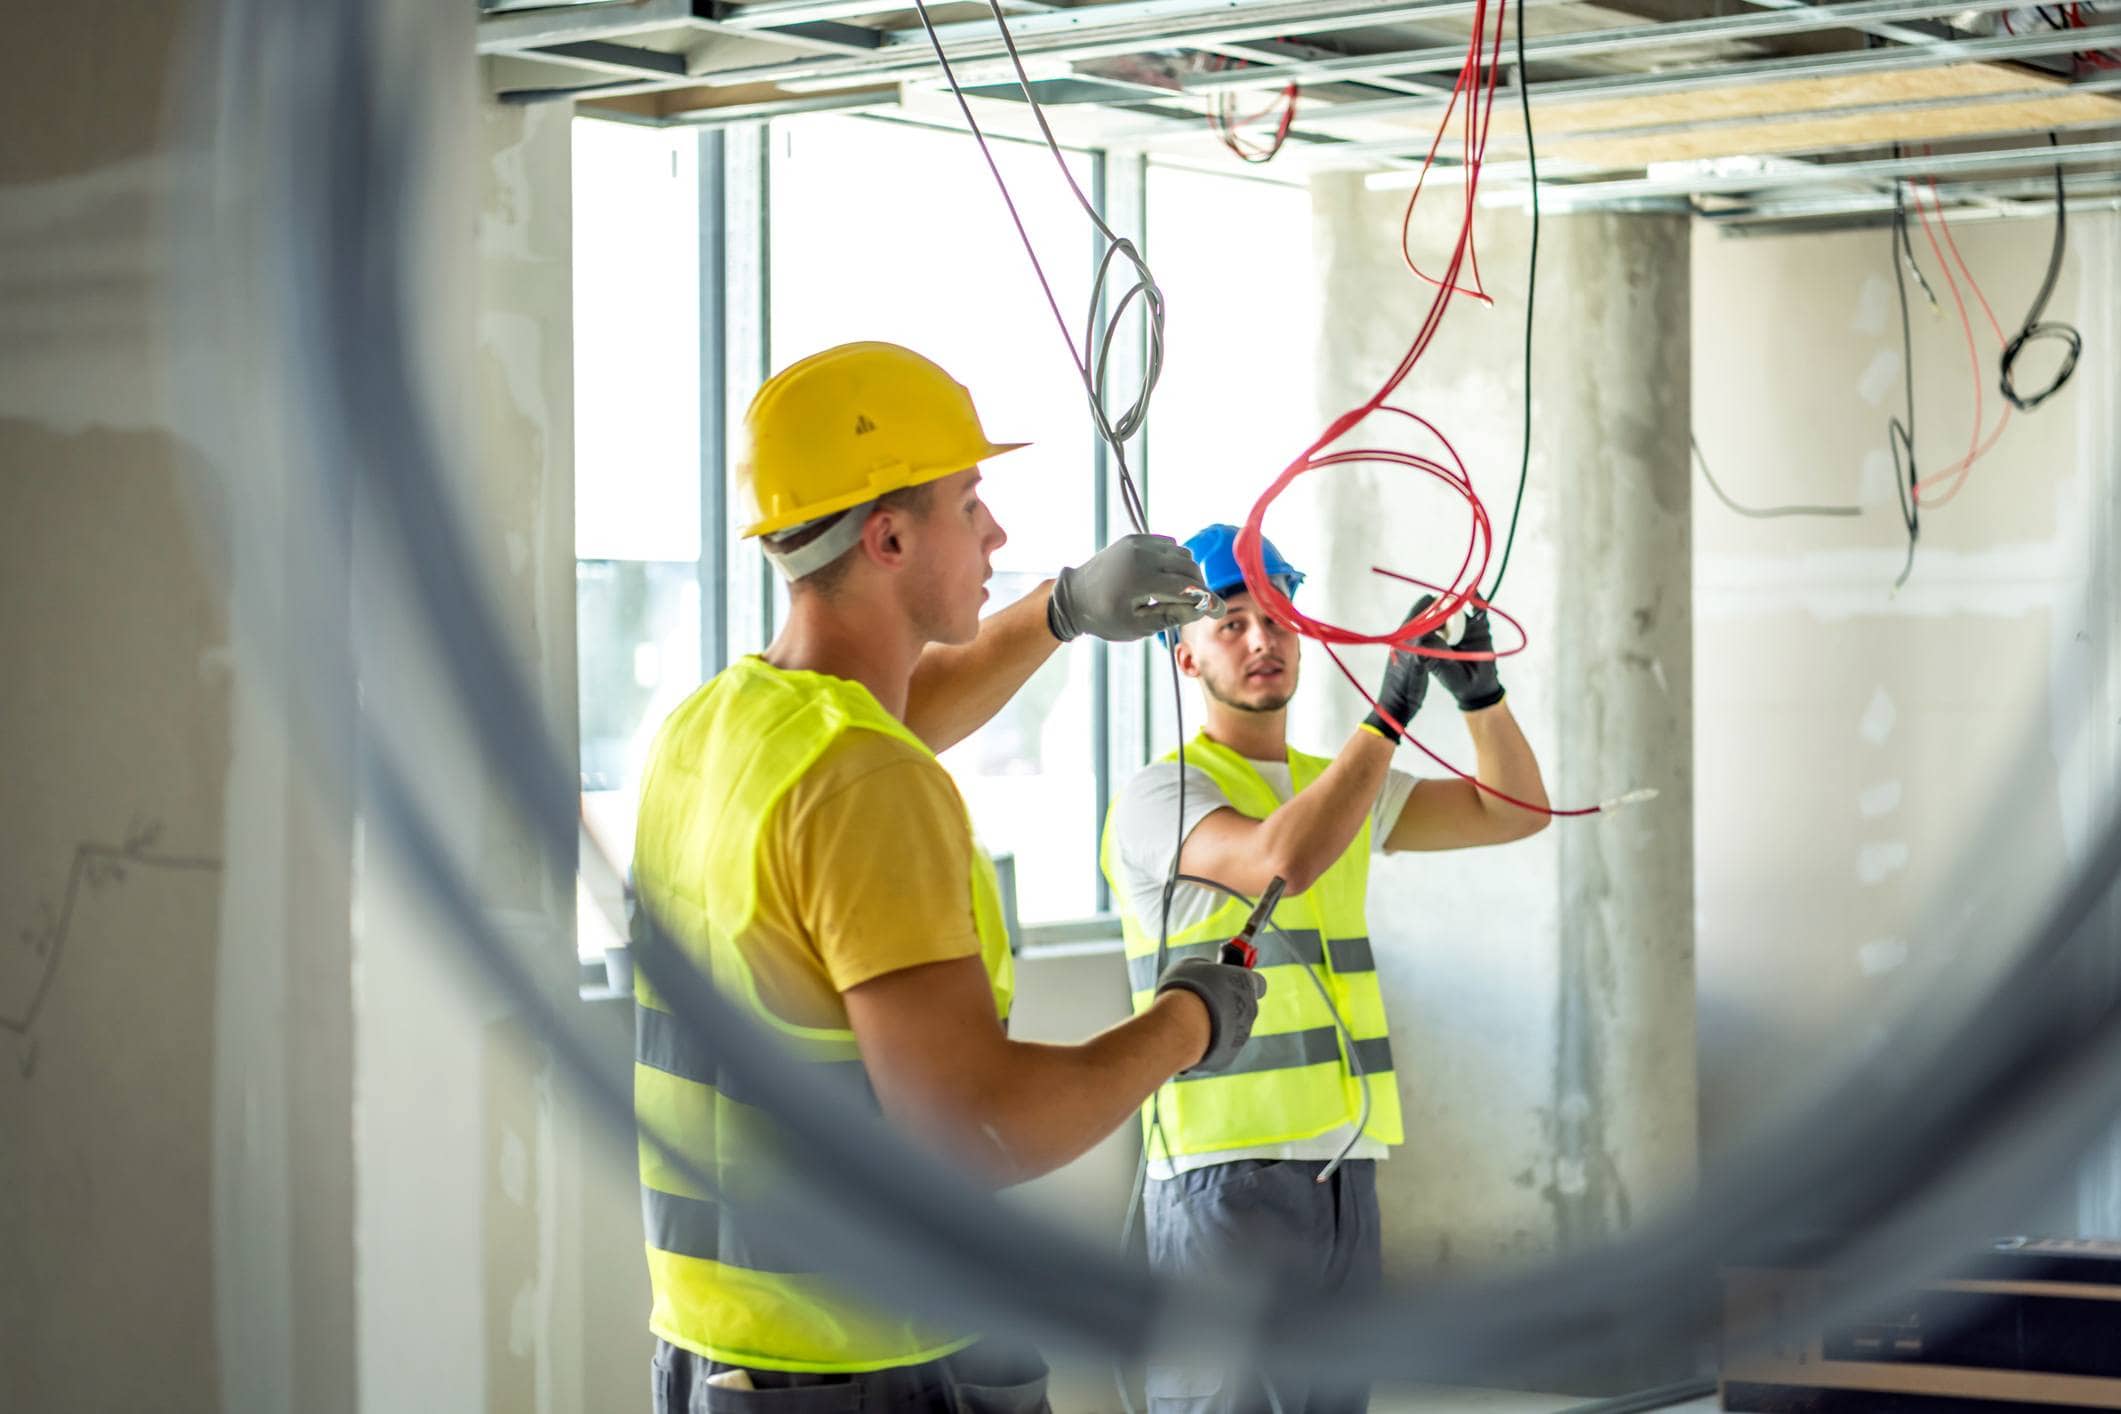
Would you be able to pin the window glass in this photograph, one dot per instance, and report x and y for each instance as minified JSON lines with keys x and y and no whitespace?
{"x":884,"y":231}
{"x":1236,"y":401}
{"x":636,"y":343}
{"x":637,"y":467}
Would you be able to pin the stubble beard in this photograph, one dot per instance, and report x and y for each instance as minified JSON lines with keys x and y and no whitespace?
{"x":1217,"y":691}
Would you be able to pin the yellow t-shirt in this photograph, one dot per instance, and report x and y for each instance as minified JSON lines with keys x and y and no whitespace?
{"x":865,"y":869}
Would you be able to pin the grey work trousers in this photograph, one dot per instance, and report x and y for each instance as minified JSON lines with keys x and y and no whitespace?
{"x":985,"y":1378}
{"x":1273,"y":1220}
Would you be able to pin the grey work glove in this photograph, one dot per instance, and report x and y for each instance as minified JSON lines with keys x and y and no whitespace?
{"x":1475,"y":683}
{"x":1406,"y":683}
{"x":1136,"y":586}
{"x":1231,"y":995}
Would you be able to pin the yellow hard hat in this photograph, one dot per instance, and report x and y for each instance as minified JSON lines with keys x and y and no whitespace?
{"x":844,"y":426}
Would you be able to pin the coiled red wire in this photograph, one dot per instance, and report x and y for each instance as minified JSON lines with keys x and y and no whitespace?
{"x":1475,"y":86}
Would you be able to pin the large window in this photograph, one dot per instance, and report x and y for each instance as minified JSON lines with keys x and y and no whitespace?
{"x":638,"y":483}
{"x":1237,"y":400}
{"x":822,"y":230}
{"x":881,"y":231}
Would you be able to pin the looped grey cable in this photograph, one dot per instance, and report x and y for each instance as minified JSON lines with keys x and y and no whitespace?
{"x":1093,"y":359}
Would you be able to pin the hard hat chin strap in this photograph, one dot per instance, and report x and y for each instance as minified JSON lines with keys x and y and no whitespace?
{"x":833,"y":536}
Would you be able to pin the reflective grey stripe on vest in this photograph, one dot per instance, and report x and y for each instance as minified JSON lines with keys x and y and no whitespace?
{"x":1349,"y":954}
{"x":1289,"y":1050}
{"x":661,"y":1042}
{"x":1353,"y":955}
{"x":702,"y":1228}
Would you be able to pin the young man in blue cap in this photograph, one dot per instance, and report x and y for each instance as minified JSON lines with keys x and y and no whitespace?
{"x":1242,"y":1164}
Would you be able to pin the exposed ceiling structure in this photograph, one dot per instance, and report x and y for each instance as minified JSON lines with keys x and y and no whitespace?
{"x":1751,"y":112}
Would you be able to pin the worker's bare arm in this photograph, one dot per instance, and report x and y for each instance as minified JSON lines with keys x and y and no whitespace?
{"x":1456,"y":814}
{"x":1299,"y":841}
{"x":956,"y":688}
{"x":943,"y":1066}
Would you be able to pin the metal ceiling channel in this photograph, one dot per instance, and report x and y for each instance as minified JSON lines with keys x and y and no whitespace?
{"x":1602,"y":42}
{"x":1803,"y":66}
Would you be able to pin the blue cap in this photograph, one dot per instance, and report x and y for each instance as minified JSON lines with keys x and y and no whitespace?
{"x":1215,"y":549}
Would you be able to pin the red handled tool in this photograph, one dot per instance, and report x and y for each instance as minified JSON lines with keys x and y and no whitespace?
{"x":1239,"y":952}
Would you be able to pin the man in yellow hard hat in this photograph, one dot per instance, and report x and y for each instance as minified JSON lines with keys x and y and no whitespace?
{"x":799,"y":841}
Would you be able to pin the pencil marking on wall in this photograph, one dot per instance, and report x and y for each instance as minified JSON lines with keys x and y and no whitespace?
{"x":95,"y":869}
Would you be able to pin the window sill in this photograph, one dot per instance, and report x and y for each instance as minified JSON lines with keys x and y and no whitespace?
{"x":1081,"y":937}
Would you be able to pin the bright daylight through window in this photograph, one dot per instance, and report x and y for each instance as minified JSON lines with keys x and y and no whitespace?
{"x":878,"y":231}
{"x":900,"y":217}
{"x":637,"y":466}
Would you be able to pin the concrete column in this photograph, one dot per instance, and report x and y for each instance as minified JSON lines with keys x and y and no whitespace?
{"x":1616,"y":421}
{"x":1541,"y":992}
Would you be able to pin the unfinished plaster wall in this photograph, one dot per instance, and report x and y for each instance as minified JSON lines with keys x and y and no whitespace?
{"x":500,"y":1244}
{"x":1542,"y":1018}
{"x":1890,"y":782}
{"x":117,"y":744}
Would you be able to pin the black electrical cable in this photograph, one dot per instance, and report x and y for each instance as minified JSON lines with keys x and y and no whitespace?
{"x":2010,"y":1089}
{"x":1900,"y":431}
{"x":2033,"y":330}
{"x":1531,"y":288}
{"x":1763,"y":512}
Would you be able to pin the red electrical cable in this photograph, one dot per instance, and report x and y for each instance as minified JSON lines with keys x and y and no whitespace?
{"x":2096,"y":58}
{"x":1479,"y":96}
{"x":1228,"y":129}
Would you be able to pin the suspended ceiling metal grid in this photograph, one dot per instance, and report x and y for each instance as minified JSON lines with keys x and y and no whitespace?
{"x":1744,"y":110}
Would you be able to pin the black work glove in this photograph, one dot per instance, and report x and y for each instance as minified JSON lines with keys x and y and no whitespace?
{"x":1474,"y":682}
{"x":1406,"y":683}
{"x":1231,"y":995}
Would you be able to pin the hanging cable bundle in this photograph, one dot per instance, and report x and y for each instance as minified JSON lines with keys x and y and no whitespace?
{"x":1938,"y":488}
{"x":1229,"y":127}
{"x":1475,"y":87}
{"x":2033,"y":330}
{"x":1092,"y":361}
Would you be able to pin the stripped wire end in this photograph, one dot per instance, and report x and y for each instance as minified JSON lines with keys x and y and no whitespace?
{"x":1642,"y":796}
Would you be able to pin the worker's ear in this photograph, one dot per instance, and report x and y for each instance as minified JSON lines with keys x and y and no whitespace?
{"x":884,"y":536}
{"x":1182,"y":654}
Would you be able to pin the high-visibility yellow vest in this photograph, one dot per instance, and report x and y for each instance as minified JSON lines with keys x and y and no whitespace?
{"x":1292,"y":1080}
{"x":719,"y":765}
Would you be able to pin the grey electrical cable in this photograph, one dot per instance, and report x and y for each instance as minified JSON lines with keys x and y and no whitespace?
{"x":1762,"y":512}
{"x":1288,"y":944}
{"x":1092,"y":361}
{"x":1874,"y":1164}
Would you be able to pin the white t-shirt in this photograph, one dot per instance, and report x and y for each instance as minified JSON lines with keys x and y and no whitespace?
{"x":1146,"y":833}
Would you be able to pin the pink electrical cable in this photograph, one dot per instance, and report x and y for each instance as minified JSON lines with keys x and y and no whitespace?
{"x":1479,"y":99}
{"x":1939,"y":487}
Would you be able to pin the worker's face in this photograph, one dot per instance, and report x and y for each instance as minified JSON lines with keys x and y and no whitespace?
{"x":1244,"y":659}
{"x":954,"y":540}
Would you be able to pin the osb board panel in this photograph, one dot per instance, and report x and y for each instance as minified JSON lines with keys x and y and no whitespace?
{"x":675,"y":102}
{"x":1835,"y":93}
{"x":1844,"y":129}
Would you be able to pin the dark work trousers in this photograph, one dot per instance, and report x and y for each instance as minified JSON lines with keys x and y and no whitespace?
{"x":1271,"y":1220}
{"x":987,"y":1378}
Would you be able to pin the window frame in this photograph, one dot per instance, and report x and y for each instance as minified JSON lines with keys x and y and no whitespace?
{"x":735,"y":287}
